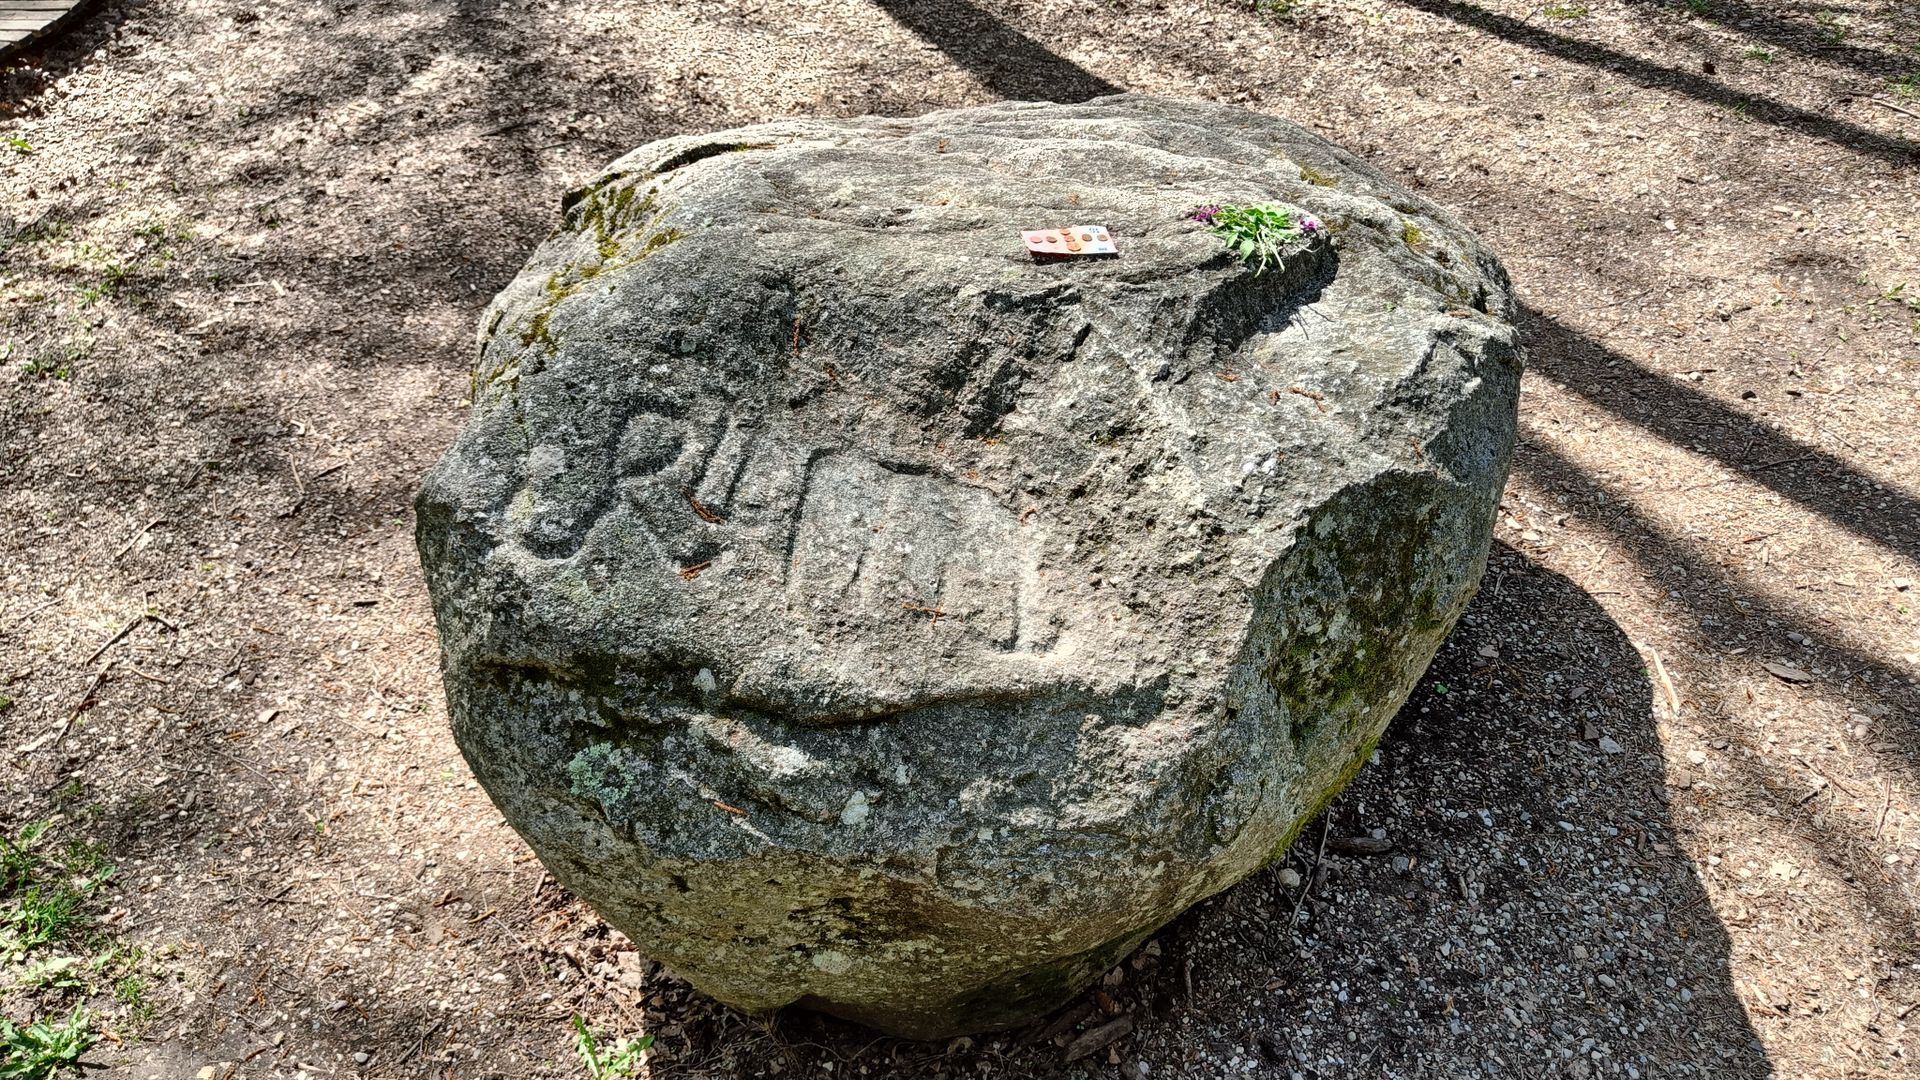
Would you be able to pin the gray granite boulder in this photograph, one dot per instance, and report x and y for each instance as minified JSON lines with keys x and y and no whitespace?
{"x":864,"y":614}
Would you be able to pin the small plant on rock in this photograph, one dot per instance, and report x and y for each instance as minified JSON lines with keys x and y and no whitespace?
{"x":1257,"y":232}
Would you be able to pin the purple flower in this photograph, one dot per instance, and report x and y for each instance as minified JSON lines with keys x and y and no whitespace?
{"x":1309,"y":225}
{"x":1205,"y":214}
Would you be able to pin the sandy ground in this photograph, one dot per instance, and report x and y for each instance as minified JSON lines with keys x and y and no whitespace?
{"x":1653,"y":812}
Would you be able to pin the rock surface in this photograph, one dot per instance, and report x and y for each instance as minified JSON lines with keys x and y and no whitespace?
{"x":863,"y":614}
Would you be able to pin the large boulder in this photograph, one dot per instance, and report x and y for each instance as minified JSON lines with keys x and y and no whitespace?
{"x":865,"y":614}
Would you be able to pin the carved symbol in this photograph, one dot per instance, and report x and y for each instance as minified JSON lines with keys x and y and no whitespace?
{"x":867,"y":535}
{"x":707,"y":513}
{"x":934,"y":613}
{"x":857,"y":544}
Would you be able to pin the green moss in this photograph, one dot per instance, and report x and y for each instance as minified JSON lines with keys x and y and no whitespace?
{"x":613,"y":214}
{"x":1388,"y":603}
{"x":1330,"y":792}
{"x":1315,"y":686}
{"x":659,"y":240}
{"x":1410,"y":234}
{"x":610,"y":213}
{"x":486,"y":385}
{"x":1320,"y":179}
{"x":622,"y":219}
{"x":536,"y":331}
{"x":1461,"y":296}
{"x":504,"y":378}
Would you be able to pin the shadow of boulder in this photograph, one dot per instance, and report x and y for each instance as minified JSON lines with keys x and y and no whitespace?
{"x":1498,"y":894}
{"x":1533,"y":915}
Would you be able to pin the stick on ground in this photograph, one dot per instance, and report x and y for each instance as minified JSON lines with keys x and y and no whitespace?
{"x":110,"y":642}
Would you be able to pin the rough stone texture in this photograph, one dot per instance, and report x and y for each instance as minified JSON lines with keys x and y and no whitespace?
{"x":862,"y":614}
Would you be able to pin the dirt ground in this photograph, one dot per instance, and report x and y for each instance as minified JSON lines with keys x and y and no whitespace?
{"x":1655,"y":811}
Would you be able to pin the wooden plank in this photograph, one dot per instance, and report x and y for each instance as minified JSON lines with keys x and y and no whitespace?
{"x":25,"y":22}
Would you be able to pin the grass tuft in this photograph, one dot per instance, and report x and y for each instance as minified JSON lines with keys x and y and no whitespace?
{"x":39,"y":916}
{"x":41,"y":1050}
{"x":43,"y":895}
{"x":622,"y":1059}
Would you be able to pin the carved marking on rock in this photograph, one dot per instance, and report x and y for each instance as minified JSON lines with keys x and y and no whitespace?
{"x":871,"y":544}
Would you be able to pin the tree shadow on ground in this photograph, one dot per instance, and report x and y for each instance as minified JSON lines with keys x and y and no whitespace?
{"x":1722,"y":612}
{"x":1006,"y":61}
{"x":1852,"y":137}
{"x":1724,"y":617}
{"x":1534,"y":914}
{"x":1679,"y":415}
{"x":1808,"y":38}
{"x":249,"y":834}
